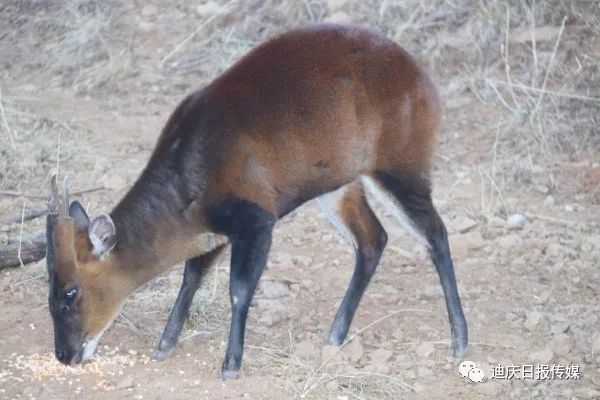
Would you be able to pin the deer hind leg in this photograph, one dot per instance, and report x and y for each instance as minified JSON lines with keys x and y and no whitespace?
{"x":195,"y":269}
{"x":409,"y":197}
{"x":348,"y":211}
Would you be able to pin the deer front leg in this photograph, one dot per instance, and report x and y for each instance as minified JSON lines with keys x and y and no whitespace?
{"x":195,"y":269}
{"x":249,"y":228}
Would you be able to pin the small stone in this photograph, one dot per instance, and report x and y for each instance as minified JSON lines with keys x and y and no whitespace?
{"x":208,"y":9}
{"x":424,"y":350}
{"x":462,"y":224}
{"x":419,"y":388}
{"x":543,"y":189}
{"x":559,"y":327}
{"x":354,"y":350}
{"x":543,"y":356}
{"x":456,"y":102}
{"x":307,"y":283}
{"x":532,"y":320}
{"x":305,"y":349}
{"x":380,"y":368}
{"x":28,"y":88}
{"x":339,"y":17}
{"x":273,"y":311}
{"x":543,"y":297}
{"x":424,"y":371}
{"x":332,"y":386}
{"x":274,"y":290}
{"x":149,"y":10}
{"x":398,"y":334}
{"x":302,"y":261}
{"x":462,"y":244}
{"x":473,"y":240}
{"x":549,"y":201}
{"x":433,"y":292}
{"x":380,"y":356}
{"x":561,"y":344}
{"x":125,"y":383}
{"x":516,"y":221}
{"x":146,"y":26}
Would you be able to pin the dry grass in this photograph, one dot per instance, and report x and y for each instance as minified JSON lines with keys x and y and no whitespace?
{"x":78,"y":43}
{"x":320,"y":375}
{"x":313,"y":379}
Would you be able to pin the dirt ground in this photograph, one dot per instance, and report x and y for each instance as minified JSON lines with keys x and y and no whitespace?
{"x":530,"y":295}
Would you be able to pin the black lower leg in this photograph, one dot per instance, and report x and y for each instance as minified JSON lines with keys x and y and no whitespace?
{"x":414,"y":194}
{"x":363,"y":272}
{"x":249,"y":228}
{"x":195,"y":269}
{"x":440,"y":255}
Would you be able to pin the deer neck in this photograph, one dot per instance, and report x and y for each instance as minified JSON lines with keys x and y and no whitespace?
{"x":158,"y":224}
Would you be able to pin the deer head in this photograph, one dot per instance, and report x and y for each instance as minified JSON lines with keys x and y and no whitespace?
{"x":87,"y":287}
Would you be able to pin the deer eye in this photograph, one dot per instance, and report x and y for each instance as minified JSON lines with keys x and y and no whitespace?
{"x":70,"y":294}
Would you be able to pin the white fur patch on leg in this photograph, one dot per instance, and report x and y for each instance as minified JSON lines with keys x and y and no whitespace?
{"x":329,"y":203}
{"x":390,"y":203}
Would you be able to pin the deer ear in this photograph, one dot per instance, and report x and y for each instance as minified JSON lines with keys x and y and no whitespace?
{"x":102,"y":234}
{"x":79,"y":216}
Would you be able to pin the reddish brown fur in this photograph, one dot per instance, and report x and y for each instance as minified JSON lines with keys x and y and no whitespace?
{"x":360,"y":219}
{"x":315,"y":108}
{"x":299,"y":116}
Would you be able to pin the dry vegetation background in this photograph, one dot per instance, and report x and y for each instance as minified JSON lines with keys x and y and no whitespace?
{"x":86,"y":86}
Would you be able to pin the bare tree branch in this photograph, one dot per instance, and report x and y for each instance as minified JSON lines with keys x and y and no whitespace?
{"x":30,"y":213}
{"x":33,"y":248}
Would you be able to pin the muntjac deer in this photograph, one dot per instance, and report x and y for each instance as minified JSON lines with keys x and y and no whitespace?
{"x":325,"y":111}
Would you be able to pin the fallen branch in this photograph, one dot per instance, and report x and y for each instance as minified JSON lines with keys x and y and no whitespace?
{"x":32,"y":248}
{"x":551,"y":219}
{"x":29,"y":214}
{"x":34,"y":196}
{"x":39,"y":236}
